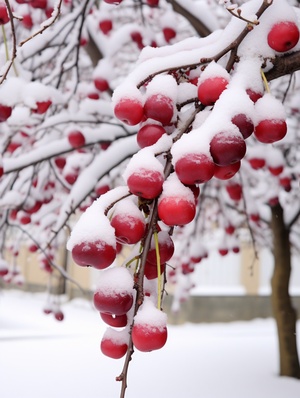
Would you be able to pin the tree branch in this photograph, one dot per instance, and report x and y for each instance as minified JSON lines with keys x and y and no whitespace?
{"x":284,"y":65}
{"x":198,"y":25}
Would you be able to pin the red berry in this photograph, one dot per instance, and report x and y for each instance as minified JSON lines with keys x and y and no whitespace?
{"x":176,"y":210}
{"x":149,"y":135}
{"x":194,"y":168}
{"x":244,"y":124}
{"x":60,"y":162}
{"x":71,"y":177}
{"x":169,"y":34}
{"x":59,"y":316}
{"x":101,"y":84}
{"x":275,"y":171}
{"x":27,"y":21}
{"x":116,"y":2}
{"x":253,"y":95}
{"x":105,"y":26}
{"x":152,"y":3}
{"x":112,"y":345}
{"x":165,"y":246}
{"x":148,"y":337}
{"x":151,"y":271}
{"x":128,"y":229}
{"x":223,"y":251}
{"x":5,"y":112}
{"x":283,"y":36}
{"x":38,"y":4}
{"x":269,"y":131}
{"x":4,"y":18}
{"x":76,"y":139}
{"x":113,"y":302}
{"x":117,"y":321}
{"x":129,"y":111}
{"x":160,"y":108}
{"x":234,"y":191}
{"x":257,"y":163}
{"x":98,"y":254}
{"x":145,"y":183}
{"x":227,"y":148}
{"x":42,"y":107}
{"x":227,"y":172}
{"x":209,"y":90}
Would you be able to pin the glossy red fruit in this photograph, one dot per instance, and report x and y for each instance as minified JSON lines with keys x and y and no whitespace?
{"x":285,"y":182}
{"x":117,"y":321}
{"x":254,"y":217}
{"x":195,"y":168}
{"x":165,"y":246}
{"x":234,"y":191}
{"x":27,"y":21}
{"x":59,"y":315}
{"x":275,"y":171}
{"x":227,"y":172}
{"x":71,"y":177}
{"x":60,"y":162}
{"x":116,"y":2}
{"x":283,"y":36}
{"x":38,"y":4}
{"x":149,"y":135}
{"x":33,"y":248}
{"x":253,"y":95}
{"x":176,"y":210}
{"x":128,"y":229}
{"x":227,"y":148}
{"x":152,"y":3}
{"x":151,"y":271}
{"x":145,"y":183}
{"x":76,"y":139}
{"x":257,"y":163}
{"x":269,"y":131}
{"x":98,"y":254}
{"x":148,"y":337}
{"x":25,"y":219}
{"x":223,"y":251}
{"x":129,"y":111}
{"x":229,"y":229}
{"x":42,"y":107}
{"x":105,"y":26}
{"x":101,"y":84}
{"x":4,"y":18}
{"x":5,"y":112}
{"x":244,"y":124}
{"x":112,"y":346}
{"x":160,"y":108}
{"x":169,"y":34}
{"x":209,"y":90}
{"x":113,"y":302}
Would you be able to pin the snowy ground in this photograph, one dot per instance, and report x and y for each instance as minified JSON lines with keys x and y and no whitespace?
{"x":43,"y":358}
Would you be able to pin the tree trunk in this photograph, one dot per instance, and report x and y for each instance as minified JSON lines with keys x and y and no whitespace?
{"x":283,"y":311}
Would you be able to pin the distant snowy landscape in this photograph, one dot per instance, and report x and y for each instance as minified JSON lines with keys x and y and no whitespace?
{"x":43,"y":358}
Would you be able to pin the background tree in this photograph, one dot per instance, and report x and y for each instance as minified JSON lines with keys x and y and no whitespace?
{"x":184,"y":115}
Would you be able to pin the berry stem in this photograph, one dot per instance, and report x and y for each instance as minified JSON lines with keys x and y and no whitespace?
{"x":5,"y":43}
{"x":155,"y":235}
{"x":266,"y":84}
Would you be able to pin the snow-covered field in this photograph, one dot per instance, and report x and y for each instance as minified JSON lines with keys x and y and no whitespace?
{"x":43,"y":358}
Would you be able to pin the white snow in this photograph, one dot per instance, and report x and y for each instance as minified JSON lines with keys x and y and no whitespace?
{"x":41,"y":357}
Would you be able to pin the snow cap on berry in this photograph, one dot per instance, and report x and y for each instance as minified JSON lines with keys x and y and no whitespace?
{"x":148,"y":314}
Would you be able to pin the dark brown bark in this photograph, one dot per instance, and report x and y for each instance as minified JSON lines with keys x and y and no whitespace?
{"x":283,"y":311}
{"x":198,"y":25}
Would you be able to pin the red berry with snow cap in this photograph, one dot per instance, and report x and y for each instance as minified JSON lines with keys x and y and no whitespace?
{"x":227,"y":148}
{"x":160,"y":108}
{"x":195,"y":168}
{"x":114,"y":293}
{"x":129,"y":111}
{"x":149,"y":331}
{"x":209,"y":90}
{"x":114,"y":343}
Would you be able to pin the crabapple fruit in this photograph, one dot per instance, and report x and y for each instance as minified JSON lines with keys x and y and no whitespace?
{"x":194,"y":168}
{"x":209,"y":90}
{"x":160,"y":108}
{"x":149,"y":134}
{"x":269,"y":131}
{"x":283,"y":36}
{"x":129,"y":111}
{"x":97,"y":254}
{"x":145,"y":183}
{"x":227,"y":148}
